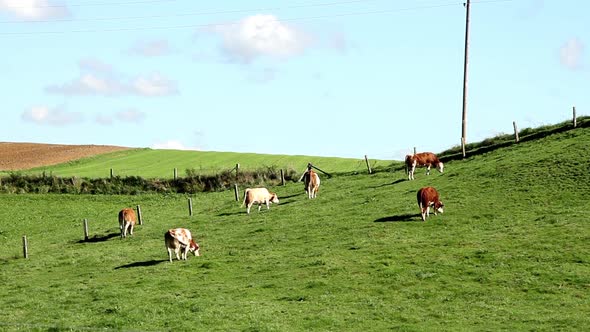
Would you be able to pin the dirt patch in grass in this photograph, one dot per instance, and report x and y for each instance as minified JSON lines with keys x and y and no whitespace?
{"x":20,"y":156}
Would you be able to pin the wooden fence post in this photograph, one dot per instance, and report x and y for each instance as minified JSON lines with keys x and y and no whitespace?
{"x":85,"y":229}
{"x":575,"y":119}
{"x":111,"y":173}
{"x":190,"y":206}
{"x":237,"y":171}
{"x":236,"y":192}
{"x":414,"y":150}
{"x":516,"y":138}
{"x":368,"y":165}
{"x":175,"y":173}
{"x":282,"y":177}
{"x":139,"y":218}
{"x":25,"y":247}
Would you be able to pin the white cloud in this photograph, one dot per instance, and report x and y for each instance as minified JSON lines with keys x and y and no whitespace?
{"x":89,"y":84}
{"x":46,"y":116}
{"x":154,"y":85}
{"x":570,"y":54}
{"x":98,"y":78}
{"x":172,"y":145}
{"x":152,"y":48}
{"x":261,"y":35}
{"x":34,"y":9}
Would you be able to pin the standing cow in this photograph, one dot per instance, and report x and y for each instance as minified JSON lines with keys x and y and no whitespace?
{"x":127,"y":220}
{"x":259,"y":196}
{"x":312,"y":183}
{"x":427,"y":197}
{"x":422,"y":159}
{"x":177,"y":239}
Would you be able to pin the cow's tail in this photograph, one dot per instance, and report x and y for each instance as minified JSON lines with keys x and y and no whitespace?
{"x":244,"y":200}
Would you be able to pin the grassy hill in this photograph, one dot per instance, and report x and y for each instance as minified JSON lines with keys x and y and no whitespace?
{"x":150,"y":163}
{"x":510,"y":252}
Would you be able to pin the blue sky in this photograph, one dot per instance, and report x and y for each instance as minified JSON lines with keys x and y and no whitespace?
{"x":310,"y":77}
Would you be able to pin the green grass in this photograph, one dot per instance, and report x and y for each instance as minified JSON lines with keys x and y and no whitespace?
{"x":510,"y":253}
{"x":150,"y":163}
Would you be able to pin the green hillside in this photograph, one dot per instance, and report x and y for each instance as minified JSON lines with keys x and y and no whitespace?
{"x":509,"y":253}
{"x":150,"y":163}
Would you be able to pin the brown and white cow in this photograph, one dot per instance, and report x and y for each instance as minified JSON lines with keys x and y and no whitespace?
{"x":127,"y":220}
{"x":312,"y":183}
{"x":259,"y":196}
{"x":427,"y":197}
{"x":422,"y":159}
{"x":178,"y":239}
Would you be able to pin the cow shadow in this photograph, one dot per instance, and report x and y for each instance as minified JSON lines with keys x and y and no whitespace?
{"x":142,"y":264}
{"x":225,"y":214}
{"x":390,"y":184}
{"x":100,"y":238}
{"x":398,"y":218}
{"x":290,"y":196}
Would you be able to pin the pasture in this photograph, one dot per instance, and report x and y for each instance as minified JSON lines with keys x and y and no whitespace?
{"x":510,"y":252}
{"x":150,"y":163}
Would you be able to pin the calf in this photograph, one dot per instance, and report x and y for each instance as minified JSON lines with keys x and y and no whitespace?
{"x":180,"y":238}
{"x":312,"y":183}
{"x":127,"y":220}
{"x":426,"y":159}
{"x":258,"y":196}
{"x":427,"y":197}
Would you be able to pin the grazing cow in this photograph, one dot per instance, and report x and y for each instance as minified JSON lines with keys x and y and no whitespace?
{"x":180,"y":238}
{"x":312,"y":183}
{"x":127,"y":220}
{"x":258,"y":196}
{"x":427,"y":159}
{"x":427,"y":197}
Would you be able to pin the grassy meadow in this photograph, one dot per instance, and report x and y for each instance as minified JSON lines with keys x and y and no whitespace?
{"x":150,"y":163}
{"x":510,"y":252}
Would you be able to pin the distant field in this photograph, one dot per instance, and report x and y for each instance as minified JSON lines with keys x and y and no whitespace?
{"x":510,"y":253}
{"x":150,"y":163}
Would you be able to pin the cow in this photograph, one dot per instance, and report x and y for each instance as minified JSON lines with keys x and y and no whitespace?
{"x":427,"y":197}
{"x":312,"y":183}
{"x":258,"y":196}
{"x":427,"y":159}
{"x":127,"y":220}
{"x":178,"y":239}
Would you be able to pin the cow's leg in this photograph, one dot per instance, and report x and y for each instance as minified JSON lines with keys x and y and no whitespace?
{"x":176,"y":250}
{"x":185,"y":252}
{"x":169,"y":254}
{"x":259,"y":206}
{"x":422,"y":211}
{"x":428,"y":170}
{"x":267,"y":204}
{"x":131,"y":228}
{"x":248,"y":208}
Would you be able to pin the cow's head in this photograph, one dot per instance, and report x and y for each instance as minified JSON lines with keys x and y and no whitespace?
{"x":440,"y":166}
{"x":438,"y":206}
{"x":274,"y":198}
{"x":194,"y":248}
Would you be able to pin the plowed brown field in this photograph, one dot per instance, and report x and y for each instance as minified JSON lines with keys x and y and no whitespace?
{"x":18,"y":156}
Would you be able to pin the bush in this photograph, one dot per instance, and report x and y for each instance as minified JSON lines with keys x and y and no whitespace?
{"x":134,"y":185}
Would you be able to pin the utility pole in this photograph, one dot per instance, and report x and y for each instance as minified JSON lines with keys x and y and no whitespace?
{"x":464,"y":121}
